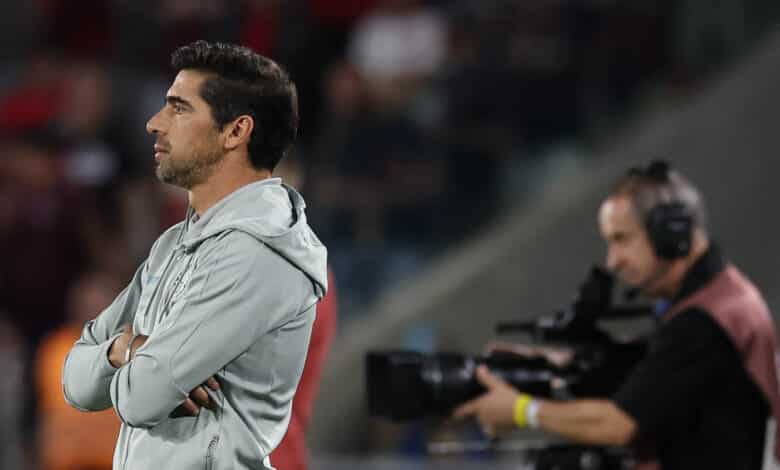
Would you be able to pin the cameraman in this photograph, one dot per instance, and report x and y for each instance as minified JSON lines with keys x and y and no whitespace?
{"x":702,"y":395}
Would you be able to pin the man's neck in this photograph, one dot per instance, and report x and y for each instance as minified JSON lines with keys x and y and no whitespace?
{"x":220,"y":185}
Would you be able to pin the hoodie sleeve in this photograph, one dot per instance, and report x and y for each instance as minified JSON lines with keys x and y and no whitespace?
{"x":239,"y":291}
{"x":86,"y":375}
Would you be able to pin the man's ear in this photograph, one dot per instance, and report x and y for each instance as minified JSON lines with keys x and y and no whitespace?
{"x":238,"y":132}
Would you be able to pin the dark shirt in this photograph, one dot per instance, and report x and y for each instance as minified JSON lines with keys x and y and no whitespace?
{"x":691,"y":395}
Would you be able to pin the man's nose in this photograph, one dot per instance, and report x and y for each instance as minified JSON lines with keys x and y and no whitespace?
{"x":153,"y":125}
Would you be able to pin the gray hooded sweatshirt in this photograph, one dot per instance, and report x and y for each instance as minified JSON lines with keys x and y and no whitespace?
{"x":232,"y":295}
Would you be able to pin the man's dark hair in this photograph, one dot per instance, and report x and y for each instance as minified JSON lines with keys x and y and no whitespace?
{"x":244,"y":82}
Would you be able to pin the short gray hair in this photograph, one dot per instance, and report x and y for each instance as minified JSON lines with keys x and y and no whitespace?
{"x":656,"y":184}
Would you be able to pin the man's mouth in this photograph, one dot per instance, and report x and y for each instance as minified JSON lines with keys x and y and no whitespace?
{"x":159,"y":151}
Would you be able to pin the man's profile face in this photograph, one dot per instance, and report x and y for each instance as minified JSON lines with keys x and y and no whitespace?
{"x":188,"y":144}
{"x":630,"y":254}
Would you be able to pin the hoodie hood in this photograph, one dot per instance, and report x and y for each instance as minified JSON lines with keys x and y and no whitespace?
{"x":271,"y":212}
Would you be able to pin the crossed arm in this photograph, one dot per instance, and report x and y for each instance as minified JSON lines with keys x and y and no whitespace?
{"x":222,"y":313}
{"x":198,"y":398}
{"x":101,"y":350}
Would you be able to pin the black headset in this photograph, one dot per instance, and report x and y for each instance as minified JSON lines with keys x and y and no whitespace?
{"x":669,"y":225}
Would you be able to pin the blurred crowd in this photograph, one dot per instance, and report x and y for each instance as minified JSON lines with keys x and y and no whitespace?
{"x":421,"y":120}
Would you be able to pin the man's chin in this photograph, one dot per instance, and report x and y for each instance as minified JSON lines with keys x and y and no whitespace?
{"x":187,"y":174}
{"x":162,"y":175}
{"x":168,"y":178}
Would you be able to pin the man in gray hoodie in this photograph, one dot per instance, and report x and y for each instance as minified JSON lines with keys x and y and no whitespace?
{"x":201,"y":354}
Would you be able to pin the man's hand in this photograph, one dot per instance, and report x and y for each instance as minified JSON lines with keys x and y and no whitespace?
{"x":198,"y":398}
{"x":118,"y":349}
{"x":494,"y":410}
{"x":593,"y":421}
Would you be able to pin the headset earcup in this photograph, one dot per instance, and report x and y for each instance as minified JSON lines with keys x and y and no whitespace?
{"x":670,"y":229}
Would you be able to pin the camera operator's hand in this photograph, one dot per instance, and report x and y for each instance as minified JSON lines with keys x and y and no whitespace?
{"x":590,"y":421}
{"x":494,"y":409}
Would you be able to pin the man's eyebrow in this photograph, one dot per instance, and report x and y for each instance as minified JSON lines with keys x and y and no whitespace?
{"x":173,"y":99}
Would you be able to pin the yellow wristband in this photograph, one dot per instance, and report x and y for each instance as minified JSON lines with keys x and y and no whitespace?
{"x":521,"y":405}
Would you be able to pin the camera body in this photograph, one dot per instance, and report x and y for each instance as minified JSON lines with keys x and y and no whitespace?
{"x":405,"y":385}
{"x":408,"y":385}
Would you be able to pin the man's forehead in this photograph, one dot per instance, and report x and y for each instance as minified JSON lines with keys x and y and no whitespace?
{"x":618,"y":210}
{"x":186,"y":84}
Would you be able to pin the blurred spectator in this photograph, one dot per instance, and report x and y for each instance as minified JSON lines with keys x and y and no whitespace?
{"x":13,"y":391}
{"x":67,"y":438}
{"x":84,"y":122}
{"x":35,"y":95}
{"x":312,"y":35}
{"x":396,"y":48}
{"x":94,"y":153}
{"x":40,"y":240}
{"x":377,"y":189}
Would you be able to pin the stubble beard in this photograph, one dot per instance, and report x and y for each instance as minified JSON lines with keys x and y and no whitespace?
{"x":188,"y":173}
